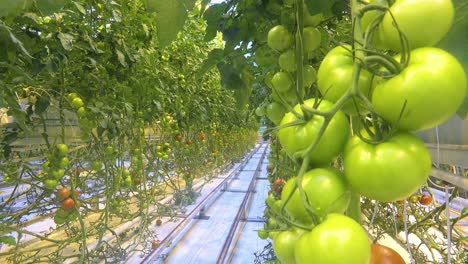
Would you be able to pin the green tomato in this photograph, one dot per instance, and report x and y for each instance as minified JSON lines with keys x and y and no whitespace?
{"x":275,"y":112}
{"x":268,"y":76}
{"x":276,"y":208}
{"x":50,"y":184}
{"x":272,"y":223}
{"x":262,"y":233}
{"x":300,"y":137}
{"x":72,"y":216}
{"x":433,"y":86}
{"x":273,"y":234}
{"x":62,"y":213}
{"x":370,"y":16}
{"x":81,"y":112}
{"x":77,"y":103}
{"x":423,"y":22}
{"x":310,"y":75}
{"x":288,"y":97}
{"x":389,"y":171}
{"x":326,"y":190}
{"x":311,"y":21}
{"x":8,"y":178}
{"x":282,"y":82}
{"x":279,"y":38}
{"x":64,"y":162}
{"x":311,"y":39}
{"x":270,"y":200}
{"x":59,"y":220}
{"x":337,"y":240}
{"x":335,"y":77}
{"x":57,"y":174}
{"x":128,"y":182}
{"x":96,"y":165}
{"x":284,"y":244}
{"x":71,"y":96}
{"x":62,"y":149}
{"x":46,"y":166}
{"x":110,"y":151}
{"x":260,"y":111}
{"x":287,"y":60}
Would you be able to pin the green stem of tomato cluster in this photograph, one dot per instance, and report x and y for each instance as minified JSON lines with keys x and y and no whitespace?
{"x":299,"y":49}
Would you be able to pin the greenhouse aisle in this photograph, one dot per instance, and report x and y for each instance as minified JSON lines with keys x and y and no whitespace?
{"x":224,"y":226}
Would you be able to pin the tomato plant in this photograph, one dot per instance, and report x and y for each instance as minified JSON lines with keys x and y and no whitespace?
{"x":155,"y":244}
{"x":275,"y":112}
{"x":311,"y":39}
{"x":287,"y":60}
{"x":381,"y":254}
{"x":432,"y":77}
{"x":284,"y":244}
{"x":68,"y":203}
{"x":279,"y":38}
{"x":63,"y":193}
{"x":335,"y":75}
{"x":425,"y":199}
{"x":262,"y":233}
{"x":299,"y":137}
{"x":158,"y":222}
{"x":375,"y":171}
{"x":336,"y":239}
{"x":411,"y":18}
{"x":326,"y":190}
{"x":282,"y":82}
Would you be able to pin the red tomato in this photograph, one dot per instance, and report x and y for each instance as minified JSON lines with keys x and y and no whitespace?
{"x":68,"y":204}
{"x":155,"y":244}
{"x":384,"y":255}
{"x":63,"y":193}
{"x":279,"y":181}
{"x":425,"y":199}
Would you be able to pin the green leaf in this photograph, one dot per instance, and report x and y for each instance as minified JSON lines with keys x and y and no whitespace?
{"x":41,"y":104}
{"x":33,"y":16}
{"x":117,"y":15}
{"x":230,"y":77}
{"x":170,"y":18}
{"x":80,"y":7}
{"x":212,"y":16}
{"x":319,"y":6}
{"x":121,"y":58}
{"x":214,"y":57}
{"x":203,"y":5}
{"x":13,"y":7}
{"x":15,"y":41}
{"x":48,"y":7}
{"x":66,"y":40}
{"x":9,"y":240}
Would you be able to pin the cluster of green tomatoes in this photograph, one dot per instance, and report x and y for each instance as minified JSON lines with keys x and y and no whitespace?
{"x":392,"y":83}
{"x":55,"y":165}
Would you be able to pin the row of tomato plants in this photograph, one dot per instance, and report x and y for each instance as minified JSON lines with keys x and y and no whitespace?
{"x":113,"y":182}
{"x":106,"y":124}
